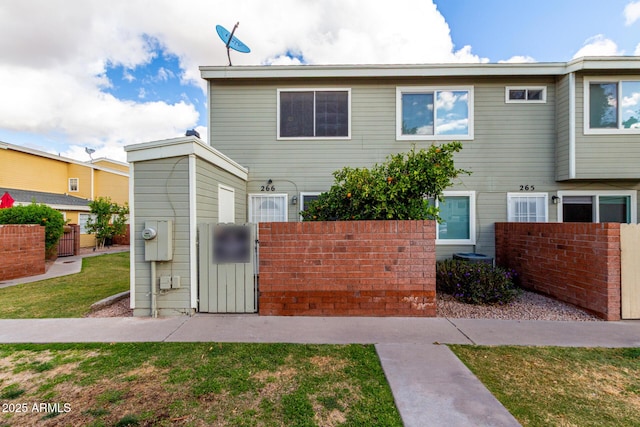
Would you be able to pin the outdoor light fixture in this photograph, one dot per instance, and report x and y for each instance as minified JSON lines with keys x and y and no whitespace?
{"x":555,"y":200}
{"x":294,"y":200}
{"x":269,"y":181}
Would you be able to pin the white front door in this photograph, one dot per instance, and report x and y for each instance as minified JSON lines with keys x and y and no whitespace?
{"x":226,"y":204}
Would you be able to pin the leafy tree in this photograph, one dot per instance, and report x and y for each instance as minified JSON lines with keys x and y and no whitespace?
{"x":400,"y":188}
{"x":40,"y":214}
{"x":107,"y":219}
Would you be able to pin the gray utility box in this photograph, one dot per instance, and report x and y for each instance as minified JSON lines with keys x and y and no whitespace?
{"x":473,"y":258}
{"x":158,"y":240}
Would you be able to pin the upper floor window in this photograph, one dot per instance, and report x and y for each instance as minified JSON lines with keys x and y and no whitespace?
{"x":529,"y":94}
{"x":612,"y":106}
{"x":428,"y":113}
{"x":74,"y":185}
{"x":308,"y":113}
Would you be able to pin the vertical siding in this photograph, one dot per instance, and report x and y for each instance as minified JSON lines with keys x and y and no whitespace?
{"x":563,"y":123}
{"x":161,"y":191}
{"x":612,"y":156}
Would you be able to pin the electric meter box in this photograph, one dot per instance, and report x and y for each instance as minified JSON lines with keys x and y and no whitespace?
{"x":158,"y":240}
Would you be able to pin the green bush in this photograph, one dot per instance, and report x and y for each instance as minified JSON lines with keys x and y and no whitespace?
{"x":398,"y":189}
{"x":34,"y":213}
{"x":476,"y":283}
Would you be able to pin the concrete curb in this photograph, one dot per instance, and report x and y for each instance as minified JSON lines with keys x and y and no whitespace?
{"x":105,"y":302}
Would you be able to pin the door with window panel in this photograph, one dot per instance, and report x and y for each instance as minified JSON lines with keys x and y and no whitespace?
{"x":267,"y":208}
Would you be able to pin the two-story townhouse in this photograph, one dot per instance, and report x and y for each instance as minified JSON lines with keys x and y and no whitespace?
{"x":544,"y":141}
{"x":65,"y":184}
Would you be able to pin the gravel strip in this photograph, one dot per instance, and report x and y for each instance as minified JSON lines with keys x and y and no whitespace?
{"x":528,"y":306}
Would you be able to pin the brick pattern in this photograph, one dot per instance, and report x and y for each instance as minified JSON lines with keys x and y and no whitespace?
{"x":21,"y":251}
{"x":348,"y":268}
{"x":578,"y":263}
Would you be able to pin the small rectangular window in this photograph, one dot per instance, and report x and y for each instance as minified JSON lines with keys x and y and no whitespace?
{"x":305,"y":198}
{"x":532,"y":94}
{"x":82,"y":222}
{"x":271,"y":208}
{"x":532,"y":207}
{"x":602,"y":206}
{"x":313,"y":113}
{"x":73,"y":185}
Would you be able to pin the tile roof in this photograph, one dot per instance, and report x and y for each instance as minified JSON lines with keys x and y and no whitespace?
{"x":26,"y":196}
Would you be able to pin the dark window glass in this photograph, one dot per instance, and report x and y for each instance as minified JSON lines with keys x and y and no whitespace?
{"x":603,"y":105}
{"x":332,"y":114}
{"x":577,"y":209}
{"x":534,"y":94}
{"x":517,"y":94}
{"x":296,"y":114}
{"x":615,"y":209}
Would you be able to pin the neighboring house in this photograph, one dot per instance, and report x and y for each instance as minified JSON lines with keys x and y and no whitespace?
{"x":64,"y":184}
{"x":545,"y":141}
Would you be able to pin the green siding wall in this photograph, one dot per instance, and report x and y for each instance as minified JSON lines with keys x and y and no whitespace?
{"x":563,"y":125}
{"x":161,"y":191}
{"x":208,"y":177}
{"x":513,"y":145}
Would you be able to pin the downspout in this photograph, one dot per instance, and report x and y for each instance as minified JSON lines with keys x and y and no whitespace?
{"x":572,"y":126}
{"x":154,"y":302}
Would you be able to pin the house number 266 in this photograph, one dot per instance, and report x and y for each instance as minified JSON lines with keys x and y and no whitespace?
{"x":527,"y":187}
{"x":267,"y":188}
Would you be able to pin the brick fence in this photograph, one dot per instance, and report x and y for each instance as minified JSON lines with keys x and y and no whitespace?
{"x":21,"y":251}
{"x":578,"y":263}
{"x":348,"y":268}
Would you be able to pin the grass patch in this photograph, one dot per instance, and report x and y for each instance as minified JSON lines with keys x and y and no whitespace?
{"x":168,"y":384}
{"x":67,"y":296}
{"x":559,"y":386}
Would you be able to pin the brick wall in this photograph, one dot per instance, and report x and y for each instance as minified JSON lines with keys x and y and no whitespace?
{"x":578,"y":263}
{"x":21,"y":251}
{"x":348,"y":268}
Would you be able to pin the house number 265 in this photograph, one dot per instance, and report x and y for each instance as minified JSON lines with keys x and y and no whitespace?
{"x":527,"y":187}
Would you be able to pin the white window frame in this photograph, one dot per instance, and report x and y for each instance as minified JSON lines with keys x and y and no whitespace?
{"x":83,"y":229}
{"x":512,"y":196}
{"x":284,"y":196}
{"x":306,"y":193}
{"x":587,"y":106}
{"x":632,"y":194}
{"x":527,"y":89}
{"x":472,"y":220}
{"x":400,"y":90}
{"x":77,"y":182}
{"x":311,"y":89}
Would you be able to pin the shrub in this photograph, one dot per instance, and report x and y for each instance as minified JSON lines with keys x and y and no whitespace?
{"x":39,"y":214}
{"x":476,"y":283}
{"x":107,"y":219}
{"x":398,"y":189}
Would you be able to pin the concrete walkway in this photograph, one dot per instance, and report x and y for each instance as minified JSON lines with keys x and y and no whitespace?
{"x":63,"y":266}
{"x":430,"y":385}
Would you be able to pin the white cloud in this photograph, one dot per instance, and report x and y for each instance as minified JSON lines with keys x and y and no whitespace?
{"x":632,"y":12}
{"x":518,"y":60}
{"x":448,"y":126}
{"x":631,"y":101}
{"x":637,"y":51}
{"x":598,"y":45}
{"x":52,"y":79}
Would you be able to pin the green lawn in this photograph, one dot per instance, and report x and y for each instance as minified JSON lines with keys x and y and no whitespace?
{"x":68,"y":296}
{"x":559,"y":386}
{"x":196,"y":384}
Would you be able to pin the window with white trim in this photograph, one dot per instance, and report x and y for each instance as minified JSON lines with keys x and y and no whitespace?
{"x":528,"y":94}
{"x":530,"y":207}
{"x":601,"y":206}
{"x":74,"y":185}
{"x":458,"y":214}
{"x":611,"y":106}
{"x":306,"y":197}
{"x":430,"y":113}
{"x":82,"y":222}
{"x":310,"y":113}
{"x":267,"y":208}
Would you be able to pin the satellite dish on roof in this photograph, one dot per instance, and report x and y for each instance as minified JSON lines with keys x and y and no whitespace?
{"x":230,"y":41}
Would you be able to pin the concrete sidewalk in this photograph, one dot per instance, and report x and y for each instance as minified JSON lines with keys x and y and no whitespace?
{"x":62,"y":266}
{"x":430,"y":385}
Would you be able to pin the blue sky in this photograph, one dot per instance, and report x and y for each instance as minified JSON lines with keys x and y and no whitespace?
{"x":90,"y":73}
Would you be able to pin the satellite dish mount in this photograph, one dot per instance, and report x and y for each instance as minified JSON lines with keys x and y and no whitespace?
{"x":230,"y":41}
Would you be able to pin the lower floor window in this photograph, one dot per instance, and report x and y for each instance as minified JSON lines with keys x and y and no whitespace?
{"x":458,"y":213}
{"x":82,"y":222}
{"x":532,"y":207}
{"x":605,"y":207}
{"x":267,"y":208}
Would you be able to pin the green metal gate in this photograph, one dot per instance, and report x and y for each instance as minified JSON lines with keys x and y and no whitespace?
{"x":227,"y":281}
